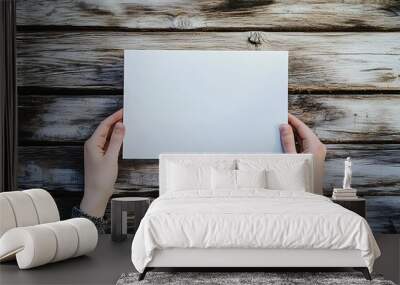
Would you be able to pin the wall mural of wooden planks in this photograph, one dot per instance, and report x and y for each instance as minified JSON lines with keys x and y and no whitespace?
{"x":344,"y":82}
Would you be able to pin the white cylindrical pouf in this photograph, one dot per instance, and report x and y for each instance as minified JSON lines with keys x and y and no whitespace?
{"x":23,"y":208}
{"x":87,"y":235}
{"x":33,"y":246}
{"x":31,"y":232}
{"x":7,"y":218}
{"x":40,"y":244}
{"x":67,"y":240}
{"x":45,"y":205}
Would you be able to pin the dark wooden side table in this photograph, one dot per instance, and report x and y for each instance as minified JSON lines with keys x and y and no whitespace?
{"x":357,"y":205}
{"x":120,"y":207}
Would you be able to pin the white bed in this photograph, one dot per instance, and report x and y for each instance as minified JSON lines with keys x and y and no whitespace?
{"x":207,"y":226}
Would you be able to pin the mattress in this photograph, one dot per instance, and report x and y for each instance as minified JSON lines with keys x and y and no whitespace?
{"x":251,"y":219}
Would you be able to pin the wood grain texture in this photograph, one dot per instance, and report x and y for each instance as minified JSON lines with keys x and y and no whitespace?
{"x":212,"y":14}
{"x":383,"y":214}
{"x":375,"y":169}
{"x":345,"y":118}
{"x":329,"y":61}
{"x":61,"y":168}
{"x":63,"y":119}
{"x":65,"y":201}
{"x":350,"y":118}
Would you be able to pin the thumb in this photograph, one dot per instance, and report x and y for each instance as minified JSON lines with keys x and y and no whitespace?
{"x":116,"y":139}
{"x":287,"y":138}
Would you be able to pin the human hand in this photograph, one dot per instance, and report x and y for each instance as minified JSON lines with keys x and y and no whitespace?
{"x":101,"y":164}
{"x":308,"y":142}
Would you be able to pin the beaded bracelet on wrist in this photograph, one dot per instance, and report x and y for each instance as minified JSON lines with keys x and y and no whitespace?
{"x":100,"y":223}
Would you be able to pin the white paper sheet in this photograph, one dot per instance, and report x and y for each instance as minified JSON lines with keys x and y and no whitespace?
{"x":204,"y":101}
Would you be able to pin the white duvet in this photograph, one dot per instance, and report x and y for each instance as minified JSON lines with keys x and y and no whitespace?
{"x":250,"y":219}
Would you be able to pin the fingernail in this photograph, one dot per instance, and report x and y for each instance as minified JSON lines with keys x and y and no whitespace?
{"x":119,"y":127}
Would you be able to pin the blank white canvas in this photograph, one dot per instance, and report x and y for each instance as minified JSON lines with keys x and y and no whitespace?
{"x":204,"y":101}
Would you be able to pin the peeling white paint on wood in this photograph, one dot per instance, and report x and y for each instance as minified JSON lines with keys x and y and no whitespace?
{"x":335,"y":118}
{"x":211,"y":14}
{"x":316,"y":60}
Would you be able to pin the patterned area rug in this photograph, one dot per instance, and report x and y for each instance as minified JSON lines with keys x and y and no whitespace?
{"x":269,"y":278}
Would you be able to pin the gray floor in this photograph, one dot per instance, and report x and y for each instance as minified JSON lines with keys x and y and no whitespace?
{"x":389,"y":263}
{"x":110,"y":260}
{"x":103,"y":266}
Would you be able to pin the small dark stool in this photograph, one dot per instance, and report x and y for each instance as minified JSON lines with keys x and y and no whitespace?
{"x":119,"y":214}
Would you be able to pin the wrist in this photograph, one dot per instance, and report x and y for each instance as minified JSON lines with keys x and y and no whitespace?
{"x":94,"y":205}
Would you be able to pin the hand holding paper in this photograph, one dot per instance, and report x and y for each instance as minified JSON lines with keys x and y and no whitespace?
{"x":308,"y":143}
{"x":101,"y":164}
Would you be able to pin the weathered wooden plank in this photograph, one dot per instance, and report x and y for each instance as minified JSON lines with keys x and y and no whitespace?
{"x":383,"y":214}
{"x":361,"y":61}
{"x":63,"y":118}
{"x":334,"y":118}
{"x":375,"y":169}
{"x":51,"y":168}
{"x":212,"y":14}
{"x":350,"y":117}
{"x":61,"y":168}
{"x":65,"y":200}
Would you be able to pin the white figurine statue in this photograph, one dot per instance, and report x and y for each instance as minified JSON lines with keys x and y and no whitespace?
{"x":347,"y":174}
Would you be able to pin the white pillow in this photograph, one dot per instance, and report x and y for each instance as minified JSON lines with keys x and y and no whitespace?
{"x":188,"y":174}
{"x":293,"y":180}
{"x":251,"y":178}
{"x":237,"y":179}
{"x":223,"y":179}
{"x":185,"y":177}
{"x":282,"y":173}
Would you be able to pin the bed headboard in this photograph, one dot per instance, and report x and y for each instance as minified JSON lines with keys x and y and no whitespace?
{"x":166,"y":158}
